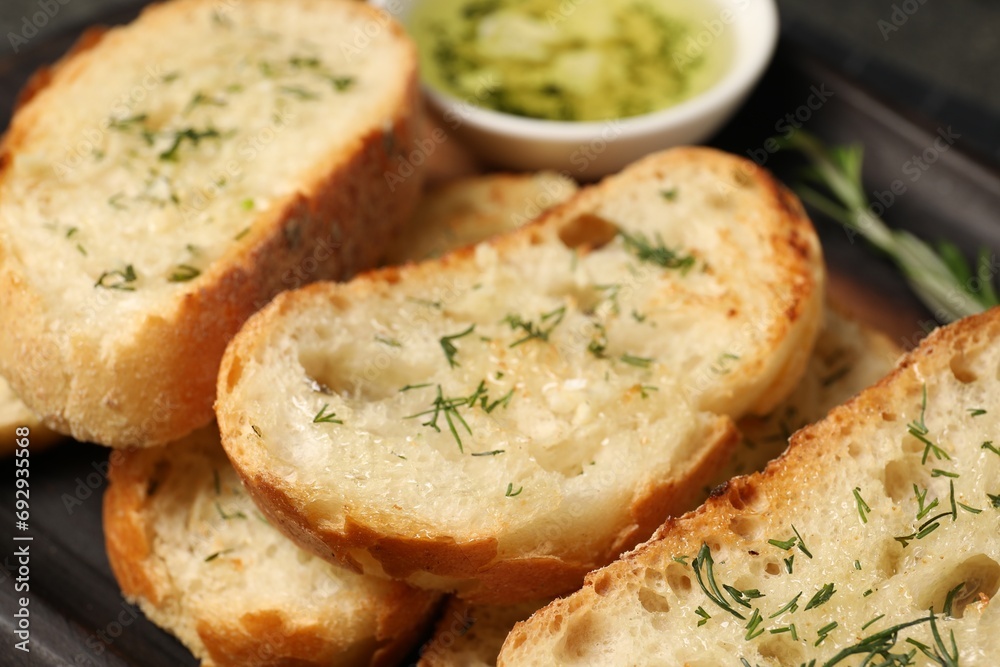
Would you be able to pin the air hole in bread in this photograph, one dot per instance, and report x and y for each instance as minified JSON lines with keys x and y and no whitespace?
{"x":602,"y":584}
{"x":782,"y":649}
{"x":652,"y":601}
{"x":579,"y":637}
{"x":962,"y":369}
{"x":741,"y":496}
{"x":888,"y":416}
{"x":235,"y":373}
{"x":854,"y":450}
{"x":772,"y":568}
{"x":327,"y":375}
{"x":980,"y":579}
{"x":888,"y":559}
{"x":653,"y":578}
{"x":678,"y":580}
{"x":898,"y":477}
{"x":588,"y":230}
{"x":747,"y":526}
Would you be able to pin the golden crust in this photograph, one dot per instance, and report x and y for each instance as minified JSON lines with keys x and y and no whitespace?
{"x":161,"y":385}
{"x":811,"y":453}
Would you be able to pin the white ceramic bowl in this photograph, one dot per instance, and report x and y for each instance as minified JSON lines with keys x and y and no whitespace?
{"x":589,"y":150}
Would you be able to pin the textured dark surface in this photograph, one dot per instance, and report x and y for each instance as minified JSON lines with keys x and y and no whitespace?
{"x":77,"y":615}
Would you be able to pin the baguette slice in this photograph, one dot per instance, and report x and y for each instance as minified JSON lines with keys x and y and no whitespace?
{"x":169,"y":177}
{"x":876,"y":535}
{"x":503,"y":420}
{"x":188,"y":545}
{"x":848,"y":358}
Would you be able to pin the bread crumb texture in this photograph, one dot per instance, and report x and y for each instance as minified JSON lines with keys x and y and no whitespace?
{"x":874,"y":540}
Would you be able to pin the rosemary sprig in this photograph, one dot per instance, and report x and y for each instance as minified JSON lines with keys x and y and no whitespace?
{"x":941,"y":278}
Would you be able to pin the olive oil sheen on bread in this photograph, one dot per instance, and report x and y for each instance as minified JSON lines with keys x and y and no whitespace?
{"x":583,"y":60}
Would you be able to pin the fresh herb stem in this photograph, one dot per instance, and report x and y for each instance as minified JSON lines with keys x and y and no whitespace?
{"x":941,"y":279}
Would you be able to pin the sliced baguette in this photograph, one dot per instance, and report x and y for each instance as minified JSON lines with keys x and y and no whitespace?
{"x":848,"y":357}
{"x":168,"y":177}
{"x":601,"y":439}
{"x":841,"y":524}
{"x":188,"y":545}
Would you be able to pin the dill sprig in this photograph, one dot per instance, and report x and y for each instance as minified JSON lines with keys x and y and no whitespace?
{"x":711,"y":589}
{"x":918,"y":429}
{"x":541,"y":331}
{"x":941,"y":278}
{"x":448,"y":407}
{"x":448,"y":345}
{"x":655,"y":252}
{"x":324,"y":417}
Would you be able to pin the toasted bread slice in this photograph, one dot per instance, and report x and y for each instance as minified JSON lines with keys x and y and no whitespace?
{"x":873,"y":540}
{"x":848,"y":357}
{"x":188,"y":545}
{"x":469,"y":210}
{"x":14,"y":415}
{"x":169,"y":177}
{"x":503,"y":420}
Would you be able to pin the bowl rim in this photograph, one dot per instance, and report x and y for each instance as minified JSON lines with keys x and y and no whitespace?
{"x":750,"y":57}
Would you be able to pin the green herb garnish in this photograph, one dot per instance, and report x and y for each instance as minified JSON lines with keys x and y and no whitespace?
{"x":918,"y":429}
{"x":791,"y":606}
{"x":942,"y":279}
{"x":511,"y":492}
{"x":863,"y":507}
{"x":190,"y":134}
{"x":448,"y":345}
{"x":824,"y":632}
{"x":704,"y":560}
{"x":542,"y":331}
{"x":657,"y":253}
{"x":121,"y":280}
{"x":449,"y":407}
{"x":183,"y":273}
{"x":821,"y":597}
{"x":211,"y":557}
{"x":324,"y":417}
{"x":638,"y":362}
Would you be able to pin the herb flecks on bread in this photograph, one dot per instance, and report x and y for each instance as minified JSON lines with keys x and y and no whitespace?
{"x":517,"y":413}
{"x":166,"y":179}
{"x":875,"y":539}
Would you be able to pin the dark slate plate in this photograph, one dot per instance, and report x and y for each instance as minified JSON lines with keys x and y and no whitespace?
{"x":77,"y":615}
